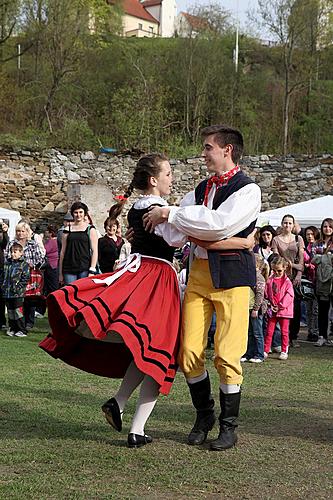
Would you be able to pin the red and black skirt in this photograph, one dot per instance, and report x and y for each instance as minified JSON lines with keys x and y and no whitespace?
{"x":141,"y":307}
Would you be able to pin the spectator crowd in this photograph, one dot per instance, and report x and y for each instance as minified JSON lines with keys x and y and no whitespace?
{"x":294,"y":276}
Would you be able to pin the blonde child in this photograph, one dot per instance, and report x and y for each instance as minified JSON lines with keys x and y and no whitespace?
{"x":280,"y":294}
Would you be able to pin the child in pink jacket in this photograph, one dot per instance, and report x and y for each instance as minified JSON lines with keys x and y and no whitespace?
{"x":280,"y":293}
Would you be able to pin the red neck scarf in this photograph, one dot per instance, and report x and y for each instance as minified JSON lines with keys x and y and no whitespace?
{"x":219,"y":180}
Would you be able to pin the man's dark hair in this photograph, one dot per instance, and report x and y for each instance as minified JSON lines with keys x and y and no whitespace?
{"x":226,"y":135}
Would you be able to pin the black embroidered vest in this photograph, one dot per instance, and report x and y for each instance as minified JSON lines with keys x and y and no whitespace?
{"x":230,"y":268}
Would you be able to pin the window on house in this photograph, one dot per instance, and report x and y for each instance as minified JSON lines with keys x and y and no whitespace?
{"x":151,"y":29}
{"x":140,"y":26}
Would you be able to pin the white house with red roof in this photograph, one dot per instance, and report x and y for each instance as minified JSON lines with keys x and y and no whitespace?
{"x":149,"y":18}
{"x":165,"y":11}
{"x":189,"y":25}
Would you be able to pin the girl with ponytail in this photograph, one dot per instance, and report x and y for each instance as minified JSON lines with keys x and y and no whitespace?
{"x":125,"y":324}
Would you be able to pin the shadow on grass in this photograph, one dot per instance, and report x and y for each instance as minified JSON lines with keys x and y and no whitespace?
{"x":22,"y":423}
{"x":300,"y":420}
{"x":63,"y":395}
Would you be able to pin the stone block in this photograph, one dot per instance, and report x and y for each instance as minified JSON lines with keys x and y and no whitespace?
{"x":87,"y":174}
{"x":33,"y":203}
{"x":72,"y":176}
{"x":42,"y":169}
{"x":57,"y":197}
{"x":70,"y":165}
{"x":11,"y":188}
{"x":62,"y":207}
{"x":18,"y":204}
{"x":87,"y":156}
{"x":28,"y":188}
{"x":49,"y":207}
{"x":58,"y":171}
{"x":61,"y":157}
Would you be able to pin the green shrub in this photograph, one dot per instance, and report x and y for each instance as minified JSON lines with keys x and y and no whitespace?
{"x":75,"y":134}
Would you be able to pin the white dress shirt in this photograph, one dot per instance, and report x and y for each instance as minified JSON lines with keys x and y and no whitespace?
{"x":232,"y":216}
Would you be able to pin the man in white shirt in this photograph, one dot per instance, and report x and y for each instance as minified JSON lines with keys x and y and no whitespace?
{"x":225,"y":205}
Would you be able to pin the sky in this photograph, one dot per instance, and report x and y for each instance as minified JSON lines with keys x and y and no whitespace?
{"x":230,"y":5}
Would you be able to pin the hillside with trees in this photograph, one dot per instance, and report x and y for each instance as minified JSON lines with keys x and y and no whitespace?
{"x":69,"y":80}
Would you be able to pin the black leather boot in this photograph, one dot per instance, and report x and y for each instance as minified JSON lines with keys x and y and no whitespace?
{"x":228,"y":418}
{"x":203,"y":402}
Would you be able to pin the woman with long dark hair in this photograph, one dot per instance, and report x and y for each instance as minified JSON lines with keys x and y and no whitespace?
{"x":312,"y":236}
{"x":323,"y":261}
{"x":264,"y":247}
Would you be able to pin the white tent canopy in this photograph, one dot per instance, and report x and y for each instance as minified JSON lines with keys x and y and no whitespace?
{"x":13,"y":217}
{"x":306,"y":213}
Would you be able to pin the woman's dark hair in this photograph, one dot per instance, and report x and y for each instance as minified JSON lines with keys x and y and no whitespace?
{"x":330,"y":223}
{"x":148,"y":166}
{"x":77,"y":205}
{"x":52,"y":230}
{"x":110,"y":221}
{"x":265,"y":229}
{"x":290,"y":217}
{"x":315,"y":230}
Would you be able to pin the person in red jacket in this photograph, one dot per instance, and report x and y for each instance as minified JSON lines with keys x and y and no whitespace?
{"x":280,"y":293}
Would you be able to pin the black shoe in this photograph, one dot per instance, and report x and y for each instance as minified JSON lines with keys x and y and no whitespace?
{"x":203,"y":424}
{"x":227,"y":439}
{"x":312,"y":338}
{"x":136,"y":440}
{"x":112,"y":414}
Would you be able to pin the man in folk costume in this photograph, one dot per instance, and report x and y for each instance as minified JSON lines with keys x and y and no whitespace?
{"x":225,"y":205}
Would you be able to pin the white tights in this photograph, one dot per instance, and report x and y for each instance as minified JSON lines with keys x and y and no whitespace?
{"x":147,"y":397}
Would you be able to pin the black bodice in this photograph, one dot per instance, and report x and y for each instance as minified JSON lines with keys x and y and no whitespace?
{"x":144,"y":242}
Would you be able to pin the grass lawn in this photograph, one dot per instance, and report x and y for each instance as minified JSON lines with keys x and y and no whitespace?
{"x":55,"y":443}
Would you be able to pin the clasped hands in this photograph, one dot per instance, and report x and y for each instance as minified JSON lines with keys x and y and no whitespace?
{"x":155,"y":216}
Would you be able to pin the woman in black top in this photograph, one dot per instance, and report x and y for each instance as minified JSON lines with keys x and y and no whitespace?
{"x":109,"y":246}
{"x":78,"y":257}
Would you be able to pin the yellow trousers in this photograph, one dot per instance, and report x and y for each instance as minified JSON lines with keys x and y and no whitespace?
{"x":232,"y":318}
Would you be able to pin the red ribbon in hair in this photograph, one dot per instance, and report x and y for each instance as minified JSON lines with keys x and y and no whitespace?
{"x":120,"y":197}
{"x":219,"y":180}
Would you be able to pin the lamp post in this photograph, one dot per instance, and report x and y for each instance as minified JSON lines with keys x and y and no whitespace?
{"x":236,"y":52}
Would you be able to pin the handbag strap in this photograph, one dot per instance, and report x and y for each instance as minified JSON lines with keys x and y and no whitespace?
{"x":88,"y":232}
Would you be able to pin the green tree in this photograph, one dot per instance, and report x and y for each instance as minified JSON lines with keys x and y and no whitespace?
{"x":9,"y":19}
{"x":289,"y":21}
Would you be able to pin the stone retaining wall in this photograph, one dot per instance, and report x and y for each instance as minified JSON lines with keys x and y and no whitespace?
{"x":40,"y":185}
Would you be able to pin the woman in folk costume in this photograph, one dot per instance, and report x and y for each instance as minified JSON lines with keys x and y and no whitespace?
{"x":126,"y":323}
